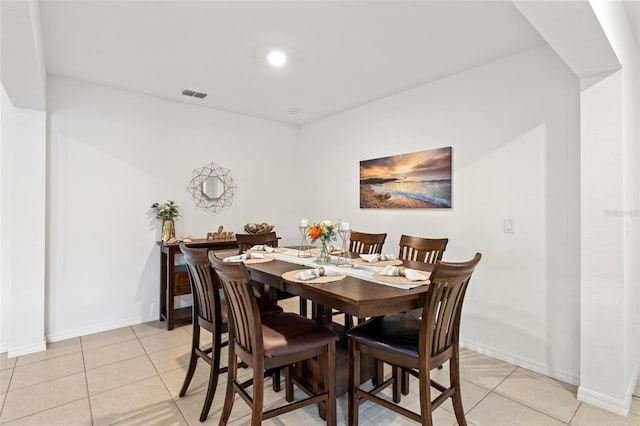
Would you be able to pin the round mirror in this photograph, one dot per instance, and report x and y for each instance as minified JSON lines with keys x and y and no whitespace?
{"x":212,"y":187}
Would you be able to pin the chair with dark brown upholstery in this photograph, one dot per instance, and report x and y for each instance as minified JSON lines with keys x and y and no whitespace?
{"x":416,"y":345}
{"x":245,"y":242}
{"x":363,"y":243}
{"x":425,"y":250}
{"x":277,"y":341}
{"x":210,"y":313}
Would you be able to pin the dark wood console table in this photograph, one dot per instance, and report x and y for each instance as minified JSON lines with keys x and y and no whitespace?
{"x":175,"y":281}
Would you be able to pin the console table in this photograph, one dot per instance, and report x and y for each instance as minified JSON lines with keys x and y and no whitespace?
{"x":174,"y":281}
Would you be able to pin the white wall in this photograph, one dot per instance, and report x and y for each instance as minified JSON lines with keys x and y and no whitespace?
{"x":22,"y":228}
{"x":514,"y":128}
{"x":114,"y":153}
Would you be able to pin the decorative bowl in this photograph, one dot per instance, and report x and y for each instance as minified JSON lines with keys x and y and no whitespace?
{"x":258,"y":228}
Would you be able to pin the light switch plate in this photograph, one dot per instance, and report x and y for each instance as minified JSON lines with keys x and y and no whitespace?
{"x":509,"y":226}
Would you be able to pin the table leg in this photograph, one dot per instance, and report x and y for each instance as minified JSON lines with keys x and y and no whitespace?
{"x":163,"y":285}
{"x":171,"y":269}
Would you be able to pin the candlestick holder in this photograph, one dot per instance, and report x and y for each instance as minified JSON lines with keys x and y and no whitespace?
{"x":344,"y":259}
{"x":303,"y":250}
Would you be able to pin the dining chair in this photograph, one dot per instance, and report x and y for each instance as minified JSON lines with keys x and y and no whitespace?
{"x":364,"y":243}
{"x":416,"y":345}
{"x":245,"y":242}
{"x":425,"y":250}
{"x":209,"y":312}
{"x":272,"y":342}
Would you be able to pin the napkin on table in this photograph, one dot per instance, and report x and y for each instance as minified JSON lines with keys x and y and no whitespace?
{"x":310,"y":274}
{"x":410,"y":274}
{"x":262,"y":247}
{"x":372,"y":258}
{"x":243,"y":257}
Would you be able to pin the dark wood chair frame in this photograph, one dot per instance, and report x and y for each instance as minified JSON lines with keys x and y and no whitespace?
{"x":425,"y":250}
{"x":246,"y":241}
{"x":247,"y":345}
{"x":437,"y":343}
{"x":364,"y":243}
{"x":206,"y":314}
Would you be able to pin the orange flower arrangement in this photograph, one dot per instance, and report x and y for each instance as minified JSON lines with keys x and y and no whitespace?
{"x":323,"y":231}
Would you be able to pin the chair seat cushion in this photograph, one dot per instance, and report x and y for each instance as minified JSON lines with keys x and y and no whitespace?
{"x":398,"y":333}
{"x":288,"y":333}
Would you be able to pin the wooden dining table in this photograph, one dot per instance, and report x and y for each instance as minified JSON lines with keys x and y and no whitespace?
{"x":352,"y":295}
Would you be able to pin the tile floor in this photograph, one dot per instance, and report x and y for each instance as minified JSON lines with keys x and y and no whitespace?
{"x":132,"y":375}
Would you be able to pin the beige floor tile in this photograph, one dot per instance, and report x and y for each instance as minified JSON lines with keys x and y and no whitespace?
{"x":472,"y":394}
{"x":105,"y":355}
{"x":635,"y":405}
{"x":170,"y":359}
{"x":107,"y":338}
{"x":2,"y":397}
{"x":166,"y":414}
{"x":43,"y":396}
{"x":6,"y":362}
{"x":76,"y":413}
{"x":496,"y":410}
{"x":550,"y":380}
{"x":43,"y":371}
{"x":482,"y":370}
{"x":378,"y":415}
{"x":173,"y":380}
{"x":589,"y":415}
{"x":119,"y":374}
{"x":5,"y":379}
{"x":128,"y":401}
{"x":54,"y":349}
{"x":150,"y":328}
{"x":551,"y":399}
{"x":163,"y":341}
{"x":191,"y":406}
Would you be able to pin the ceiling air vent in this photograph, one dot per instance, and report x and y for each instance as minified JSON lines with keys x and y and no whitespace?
{"x":194,"y":94}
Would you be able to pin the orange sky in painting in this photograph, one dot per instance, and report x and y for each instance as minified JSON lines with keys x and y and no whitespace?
{"x":435,"y":163}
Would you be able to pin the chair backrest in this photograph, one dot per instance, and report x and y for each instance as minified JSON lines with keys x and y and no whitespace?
{"x":363,"y":243}
{"x":422,"y":249}
{"x":246,"y":241}
{"x":440,"y":326}
{"x":204,"y":286}
{"x":244,"y":315}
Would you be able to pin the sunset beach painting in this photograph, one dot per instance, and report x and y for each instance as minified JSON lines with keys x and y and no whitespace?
{"x":419,"y":180}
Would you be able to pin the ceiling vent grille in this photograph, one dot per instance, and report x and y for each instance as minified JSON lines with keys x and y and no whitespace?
{"x":193,"y":93}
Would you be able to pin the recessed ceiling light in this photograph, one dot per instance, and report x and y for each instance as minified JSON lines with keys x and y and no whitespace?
{"x":277,"y":58}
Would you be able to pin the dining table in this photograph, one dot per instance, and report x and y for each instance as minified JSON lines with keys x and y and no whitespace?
{"x":358,"y":294}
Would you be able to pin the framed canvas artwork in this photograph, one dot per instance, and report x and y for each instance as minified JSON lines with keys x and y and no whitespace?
{"x":419,"y":180}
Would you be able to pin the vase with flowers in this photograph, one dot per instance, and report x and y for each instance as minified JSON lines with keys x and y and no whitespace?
{"x":167,"y":212}
{"x":324,"y":231}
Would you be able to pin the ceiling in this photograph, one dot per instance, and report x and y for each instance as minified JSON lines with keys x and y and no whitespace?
{"x":341,"y":54}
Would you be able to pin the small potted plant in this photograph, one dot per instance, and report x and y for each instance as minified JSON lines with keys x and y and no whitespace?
{"x":167,"y":212}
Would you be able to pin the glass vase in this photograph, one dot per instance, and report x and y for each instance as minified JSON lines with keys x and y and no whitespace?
{"x":323,"y":253}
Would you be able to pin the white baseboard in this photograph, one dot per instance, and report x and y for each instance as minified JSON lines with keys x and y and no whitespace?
{"x":605,"y":402}
{"x":538,"y":367}
{"x":27,"y":349}
{"x":83,"y":331}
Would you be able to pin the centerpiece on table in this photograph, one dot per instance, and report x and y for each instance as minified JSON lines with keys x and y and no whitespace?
{"x":324,"y":231}
{"x":167,"y":212}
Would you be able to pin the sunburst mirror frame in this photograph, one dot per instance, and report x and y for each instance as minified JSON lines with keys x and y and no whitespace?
{"x":212,"y":188}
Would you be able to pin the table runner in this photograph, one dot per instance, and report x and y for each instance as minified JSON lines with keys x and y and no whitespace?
{"x":362,"y":272}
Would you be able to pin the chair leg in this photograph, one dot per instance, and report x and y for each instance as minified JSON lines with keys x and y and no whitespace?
{"x":193,"y":360}
{"x":405,"y":383}
{"x":329,"y":383}
{"x":454,"y":377}
{"x":288,"y":383}
{"x":425,"y":398}
{"x":354,"y":382}
{"x":398,"y":381}
{"x":258,"y":395}
{"x":303,"y":306}
{"x":213,"y":377}
{"x":229,"y":396}
{"x":275,"y":377}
